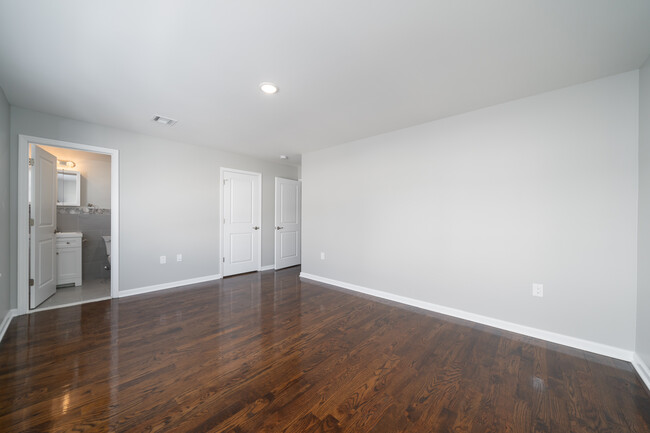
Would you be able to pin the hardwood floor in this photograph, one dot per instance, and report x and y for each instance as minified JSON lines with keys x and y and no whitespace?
{"x":267,"y":352}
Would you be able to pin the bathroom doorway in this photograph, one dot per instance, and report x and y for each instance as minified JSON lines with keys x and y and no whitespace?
{"x":69,"y":243}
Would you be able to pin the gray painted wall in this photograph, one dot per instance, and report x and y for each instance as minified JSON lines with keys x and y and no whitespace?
{"x":643,"y":296}
{"x":169,"y":197}
{"x":5,"y":302}
{"x":467,"y":212}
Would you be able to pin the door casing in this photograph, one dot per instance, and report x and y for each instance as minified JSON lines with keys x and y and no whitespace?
{"x":22,"y":277}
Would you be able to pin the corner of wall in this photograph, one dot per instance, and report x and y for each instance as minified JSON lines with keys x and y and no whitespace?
{"x":642,"y":343}
{"x":5,"y":207}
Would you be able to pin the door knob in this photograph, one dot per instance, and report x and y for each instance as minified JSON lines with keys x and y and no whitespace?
{"x":256,"y":228}
{"x":279,"y":228}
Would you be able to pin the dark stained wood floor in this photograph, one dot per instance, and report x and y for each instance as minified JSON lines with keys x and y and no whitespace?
{"x":267,"y":352}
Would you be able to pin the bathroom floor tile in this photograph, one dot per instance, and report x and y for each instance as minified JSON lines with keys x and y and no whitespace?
{"x":89,"y":290}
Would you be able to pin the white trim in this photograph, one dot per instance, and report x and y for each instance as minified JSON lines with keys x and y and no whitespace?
{"x":566,"y":340}
{"x":163,"y":286}
{"x":275,"y":222}
{"x":23,"y":213}
{"x":6,"y":321}
{"x":642,"y":368}
{"x":267,"y":268}
{"x":115,"y":224}
{"x":221,"y":241}
{"x":54,"y":307}
{"x":22,"y":278}
{"x":221,"y":217}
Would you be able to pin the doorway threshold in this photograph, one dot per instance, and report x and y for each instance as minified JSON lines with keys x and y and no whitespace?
{"x":90,"y":291}
{"x":71,"y":304}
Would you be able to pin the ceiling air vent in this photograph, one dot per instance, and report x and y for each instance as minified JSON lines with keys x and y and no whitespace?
{"x":164,"y":120}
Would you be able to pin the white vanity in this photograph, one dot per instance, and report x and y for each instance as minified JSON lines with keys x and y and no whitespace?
{"x":68,"y":258}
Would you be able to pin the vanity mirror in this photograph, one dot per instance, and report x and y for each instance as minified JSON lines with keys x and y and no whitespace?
{"x":69,"y":188}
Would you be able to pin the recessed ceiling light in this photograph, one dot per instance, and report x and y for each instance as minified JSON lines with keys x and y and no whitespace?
{"x":268,"y":88}
{"x":164,"y":120}
{"x":284,"y":157}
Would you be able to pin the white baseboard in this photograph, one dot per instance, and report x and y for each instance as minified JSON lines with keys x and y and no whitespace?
{"x":267,"y":268}
{"x":642,"y":368}
{"x":6,"y":321}
{"x":578,"y":343}
{"x":171,"y":285}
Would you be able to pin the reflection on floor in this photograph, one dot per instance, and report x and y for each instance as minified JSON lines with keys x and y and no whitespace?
{"x":89,"y":290}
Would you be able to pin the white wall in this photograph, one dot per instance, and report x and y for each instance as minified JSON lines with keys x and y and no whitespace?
{"x":643,"y":296}
{"x":169,"y":197}
{"x":95,"y":170}
{"x":468,"y":211}
{"x":5,"y":302}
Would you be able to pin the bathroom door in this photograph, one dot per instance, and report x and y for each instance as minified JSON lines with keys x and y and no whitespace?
{"x":242,"y":221}
{"x":43,"y":225}
{"x":287,"y":222}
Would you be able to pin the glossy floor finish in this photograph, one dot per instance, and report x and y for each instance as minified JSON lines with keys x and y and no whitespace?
{"x":267,"y":352}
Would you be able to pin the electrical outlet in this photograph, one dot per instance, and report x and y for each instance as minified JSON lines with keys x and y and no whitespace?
{"x":179,"y":257}
{"x":322,"y":256}
{"x":163,"y":260}
{"x":538,"y":290}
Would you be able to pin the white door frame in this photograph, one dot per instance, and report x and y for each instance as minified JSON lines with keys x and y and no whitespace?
{"x":221,"y":222}
{"x":23,"y":213}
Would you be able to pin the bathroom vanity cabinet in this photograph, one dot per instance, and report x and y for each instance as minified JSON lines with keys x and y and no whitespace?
{"x":68,"y":258}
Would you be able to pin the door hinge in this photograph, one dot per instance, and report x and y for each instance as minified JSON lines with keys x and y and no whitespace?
{"x":31,"y":162}
{"x":223,"y":259}
{"x":224,"y":181}
{"x":31,"y":282}
{"x":31,"y":222}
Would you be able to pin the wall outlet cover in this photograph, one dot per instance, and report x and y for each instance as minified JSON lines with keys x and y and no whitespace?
{"x":538,"y":290}
{"x":163,"y":260}
{"x":322,"y":256}
{"x":179,"y":257}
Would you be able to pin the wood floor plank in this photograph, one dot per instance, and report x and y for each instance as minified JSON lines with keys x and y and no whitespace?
{"x":269,"y":352}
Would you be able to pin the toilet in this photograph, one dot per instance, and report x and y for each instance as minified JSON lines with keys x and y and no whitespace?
{"x":107,"y":242}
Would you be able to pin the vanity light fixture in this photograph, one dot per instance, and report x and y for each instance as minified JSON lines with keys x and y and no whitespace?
{"x":164,"y":120}
{"x":68,"y":164}
{"x":268,"y":88}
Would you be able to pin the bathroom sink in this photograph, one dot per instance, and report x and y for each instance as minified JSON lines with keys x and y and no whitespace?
{"x":69,"y":235}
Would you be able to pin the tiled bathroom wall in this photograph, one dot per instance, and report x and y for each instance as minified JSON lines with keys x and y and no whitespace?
{"x":93,"y":223}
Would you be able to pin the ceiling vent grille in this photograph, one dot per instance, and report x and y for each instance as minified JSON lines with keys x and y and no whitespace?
{"x":164,"y":120}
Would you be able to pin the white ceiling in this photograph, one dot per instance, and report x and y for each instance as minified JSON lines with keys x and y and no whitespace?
{"x":346,"y":69}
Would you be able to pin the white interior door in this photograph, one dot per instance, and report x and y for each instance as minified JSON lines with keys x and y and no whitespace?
{"x":42,"y":240}
{"x":287,"y":222}
{"x":242,"y":222}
